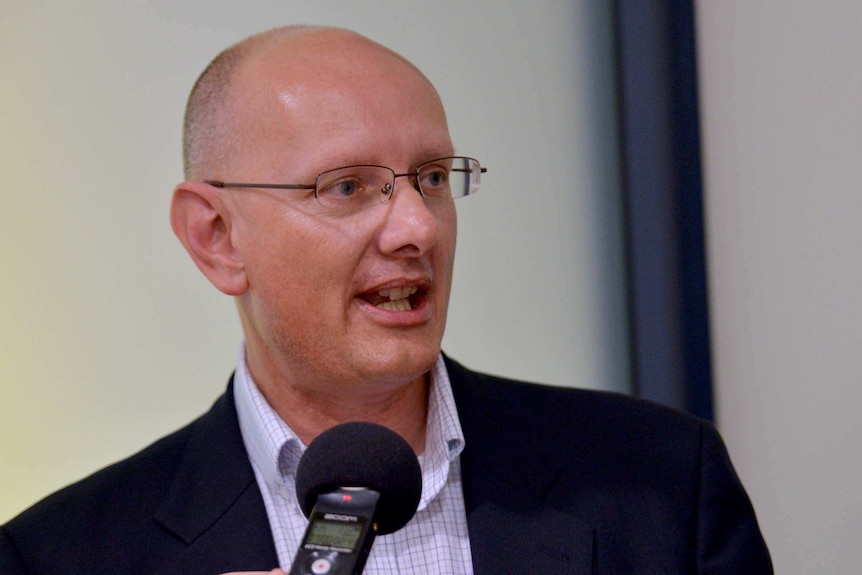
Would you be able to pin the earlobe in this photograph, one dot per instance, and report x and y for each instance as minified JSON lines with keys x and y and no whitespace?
{"x":202,"y":222}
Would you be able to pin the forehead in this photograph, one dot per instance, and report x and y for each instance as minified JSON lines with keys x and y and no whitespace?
{"x":337,"y":98}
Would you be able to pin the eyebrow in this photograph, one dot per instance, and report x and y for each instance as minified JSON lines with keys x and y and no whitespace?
{"x":435,"y":153}
{"x":346,"y":161}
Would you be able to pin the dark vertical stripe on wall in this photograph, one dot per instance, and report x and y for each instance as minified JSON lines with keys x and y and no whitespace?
{"x":668,"y":310}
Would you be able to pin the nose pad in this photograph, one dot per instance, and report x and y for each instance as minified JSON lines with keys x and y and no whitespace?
{"x":416,"y":185}
{"x":415,"y":178}
{"x":389,"y":188}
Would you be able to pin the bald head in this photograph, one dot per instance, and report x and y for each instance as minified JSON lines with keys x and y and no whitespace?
{"x":211,"y":122}
{"x":280,"y":109}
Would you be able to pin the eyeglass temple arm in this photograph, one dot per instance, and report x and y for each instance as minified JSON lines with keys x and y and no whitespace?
{"x":483,"y":170}
{"x":218,"y":184}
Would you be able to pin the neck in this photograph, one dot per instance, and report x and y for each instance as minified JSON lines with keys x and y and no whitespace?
{"x":403,"y":409}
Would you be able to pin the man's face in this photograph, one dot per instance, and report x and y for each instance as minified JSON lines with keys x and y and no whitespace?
{"x":315,"y":313}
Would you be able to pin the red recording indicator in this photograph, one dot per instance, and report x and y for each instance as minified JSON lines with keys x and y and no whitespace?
{"x":346,"y":497}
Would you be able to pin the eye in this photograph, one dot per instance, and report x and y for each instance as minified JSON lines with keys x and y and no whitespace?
{"x":340,"y":190}
{"x":434,"y":180}
{"x":345,"y":189}
{"x":354,"y":188}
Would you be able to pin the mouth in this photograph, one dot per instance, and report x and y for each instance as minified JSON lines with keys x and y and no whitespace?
{"x":396,"y":299}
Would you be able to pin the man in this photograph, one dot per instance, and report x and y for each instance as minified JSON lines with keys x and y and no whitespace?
{"x":319,"y":194}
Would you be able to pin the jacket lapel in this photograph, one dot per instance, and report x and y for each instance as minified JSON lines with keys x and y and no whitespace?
{"x":214,"y":505}
{"x":512,"y":529}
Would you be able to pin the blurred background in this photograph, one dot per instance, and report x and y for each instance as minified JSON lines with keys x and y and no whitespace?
{"x":111,"y":338}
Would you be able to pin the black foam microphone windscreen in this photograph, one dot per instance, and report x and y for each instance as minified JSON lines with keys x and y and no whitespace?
{"x":361,"y":454}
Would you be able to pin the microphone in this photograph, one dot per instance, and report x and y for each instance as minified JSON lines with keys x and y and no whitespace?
{"x":354,"y":481}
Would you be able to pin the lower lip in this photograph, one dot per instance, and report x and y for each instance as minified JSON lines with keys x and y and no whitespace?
{"x":420,"y":314}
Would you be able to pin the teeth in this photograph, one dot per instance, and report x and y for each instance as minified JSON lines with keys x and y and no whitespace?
{"x":398,"y":305}
{"x":398,"y":298}
{"x":398,"y":293}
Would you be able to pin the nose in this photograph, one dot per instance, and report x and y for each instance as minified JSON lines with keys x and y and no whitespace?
{"x":410,"y":227}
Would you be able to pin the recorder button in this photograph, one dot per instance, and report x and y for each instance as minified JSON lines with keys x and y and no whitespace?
{"x":321,"y":566}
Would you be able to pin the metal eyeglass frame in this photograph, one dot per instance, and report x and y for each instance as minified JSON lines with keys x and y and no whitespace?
{"x":388,"y":191}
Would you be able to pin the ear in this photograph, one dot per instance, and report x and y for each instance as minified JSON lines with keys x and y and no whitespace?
{"x":201,"y":220}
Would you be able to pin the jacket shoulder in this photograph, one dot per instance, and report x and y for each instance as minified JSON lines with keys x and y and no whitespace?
{"x":634,"y":470}
{"x":122,"y":494}
{"x":134,"y":478}
{"x":536,"y":408}
{"x":111,"y":515}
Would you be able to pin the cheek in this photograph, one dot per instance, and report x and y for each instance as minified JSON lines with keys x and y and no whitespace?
{"x":300,"y":266}
{"x":448,"y":225}
{"x":296,"y":294}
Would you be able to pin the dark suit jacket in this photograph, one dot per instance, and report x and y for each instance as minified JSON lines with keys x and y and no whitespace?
{"x":556,"y":481}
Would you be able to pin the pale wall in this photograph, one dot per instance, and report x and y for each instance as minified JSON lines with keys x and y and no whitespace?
{"x":110,"y":337}
{"x":782,"y":106}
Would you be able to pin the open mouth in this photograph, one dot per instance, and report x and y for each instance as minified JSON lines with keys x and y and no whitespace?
{"x":396,"y":299}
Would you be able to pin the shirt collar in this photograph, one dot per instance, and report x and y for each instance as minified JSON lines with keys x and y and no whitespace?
{"x":444,"y":439}
{"x":274,"y":449}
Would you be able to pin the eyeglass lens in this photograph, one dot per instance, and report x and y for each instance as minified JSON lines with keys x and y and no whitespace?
{"x":356,"y":187}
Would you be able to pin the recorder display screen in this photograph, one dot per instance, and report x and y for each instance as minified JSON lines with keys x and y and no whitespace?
{"x":333,"y":534}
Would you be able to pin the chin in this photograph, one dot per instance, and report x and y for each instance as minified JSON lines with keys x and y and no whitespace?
{"x":403,"y":364}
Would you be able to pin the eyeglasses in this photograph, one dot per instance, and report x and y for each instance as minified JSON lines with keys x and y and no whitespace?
{"x":354,"y":188}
